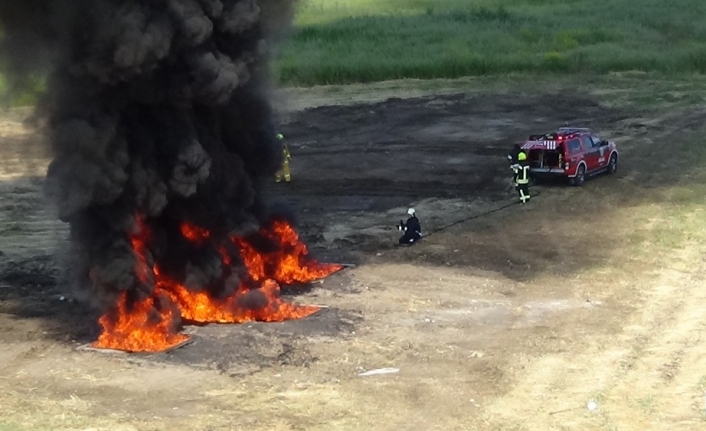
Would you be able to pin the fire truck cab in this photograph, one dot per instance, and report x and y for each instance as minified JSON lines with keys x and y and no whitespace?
{"x":570,"y":152}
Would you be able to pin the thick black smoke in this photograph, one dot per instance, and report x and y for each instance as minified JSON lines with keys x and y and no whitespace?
{"x":156,"y":108}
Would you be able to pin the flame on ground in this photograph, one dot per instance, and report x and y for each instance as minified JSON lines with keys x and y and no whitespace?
{"x":141,"y":326}
{"x":201,"y":308}
{"x":288,"y":263}
{"x":151,"y":324}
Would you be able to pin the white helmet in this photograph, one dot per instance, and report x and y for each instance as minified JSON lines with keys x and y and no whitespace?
{"x":410,"y":211}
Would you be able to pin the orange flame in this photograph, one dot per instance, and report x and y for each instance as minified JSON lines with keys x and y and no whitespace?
{"x":139,"y":245}
{"x":201,"y":308}
{"x":139,"y":328}
{"x":194,"y":233}
{"x":151,"y":324}
{"x":288,"y":263}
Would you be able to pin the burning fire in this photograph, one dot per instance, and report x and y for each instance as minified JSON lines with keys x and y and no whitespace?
{"x":151,"y":324}
{"x":194,"y":233}
{"x":199,"y":307}
{"x":288,"y":263}
{"x":140,"y":328}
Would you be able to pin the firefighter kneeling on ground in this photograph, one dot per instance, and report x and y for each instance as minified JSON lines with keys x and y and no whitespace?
{"x":411,"y":228}
{"x":522,"y":177}
{"x":286,"y":156}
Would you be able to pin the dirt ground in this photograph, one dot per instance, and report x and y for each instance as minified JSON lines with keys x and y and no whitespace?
{"x":514,"y":319}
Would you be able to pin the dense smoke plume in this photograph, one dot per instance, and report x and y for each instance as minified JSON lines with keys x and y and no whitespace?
{"x":157,"y":109}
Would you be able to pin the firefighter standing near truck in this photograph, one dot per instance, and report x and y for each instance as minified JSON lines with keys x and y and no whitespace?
{"x":286,"y":157}
{"x":512,"y":158}
{"x":522,"y":177}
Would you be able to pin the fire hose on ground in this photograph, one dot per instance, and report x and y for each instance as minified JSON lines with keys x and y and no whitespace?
{"x":475,"y":216}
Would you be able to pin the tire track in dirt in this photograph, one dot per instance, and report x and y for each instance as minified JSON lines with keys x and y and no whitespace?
{"x":639,"y":377}
{"x":668,"y":373}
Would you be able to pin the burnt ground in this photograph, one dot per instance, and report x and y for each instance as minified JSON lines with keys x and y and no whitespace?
{"x":369,"y":162}
{"x":460,"y":314}
{"x":372,"y":159}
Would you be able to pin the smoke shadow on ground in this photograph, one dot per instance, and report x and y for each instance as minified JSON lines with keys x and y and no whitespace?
{"x":31,"y":244}
{"x":62,"y":317}
{"x":30,"y":275}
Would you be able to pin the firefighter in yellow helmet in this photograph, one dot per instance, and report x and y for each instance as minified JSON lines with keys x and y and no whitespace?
{"x":286,"y":157}
{"x":522,"y":177}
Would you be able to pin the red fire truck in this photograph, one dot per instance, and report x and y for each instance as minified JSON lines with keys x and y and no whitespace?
{"x":572,"y":153}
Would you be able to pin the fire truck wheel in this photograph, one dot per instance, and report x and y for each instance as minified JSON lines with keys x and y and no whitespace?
{"x":613,"y":164}
{"x":580,"y":177}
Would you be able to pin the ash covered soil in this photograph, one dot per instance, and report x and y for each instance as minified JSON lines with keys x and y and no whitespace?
{"x":456,"y":314}
{"x":356,"y":170}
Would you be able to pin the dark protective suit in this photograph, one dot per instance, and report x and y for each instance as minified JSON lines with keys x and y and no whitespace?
{"x":522,"y":180}
{"x":412,"y":230}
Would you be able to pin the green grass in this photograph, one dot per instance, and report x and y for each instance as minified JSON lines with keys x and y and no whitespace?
{"x":24,"y":93}
{"x":338,"y":42}
{"x":348,"y":41}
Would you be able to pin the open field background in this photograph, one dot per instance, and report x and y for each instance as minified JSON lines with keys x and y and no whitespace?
{"x":364,"y":41}
{"x":511,"y":321}
{"x":341,"y":42}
